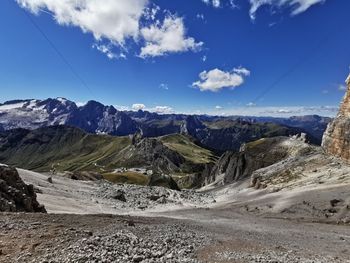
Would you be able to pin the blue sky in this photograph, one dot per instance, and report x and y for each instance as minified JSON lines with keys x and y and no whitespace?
{"x":194,"y":56}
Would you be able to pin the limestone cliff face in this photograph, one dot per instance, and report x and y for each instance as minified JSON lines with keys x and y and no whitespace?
{"x":336,"y":139}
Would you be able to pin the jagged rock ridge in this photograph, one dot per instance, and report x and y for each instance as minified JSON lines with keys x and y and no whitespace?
{"x":336,"y":139}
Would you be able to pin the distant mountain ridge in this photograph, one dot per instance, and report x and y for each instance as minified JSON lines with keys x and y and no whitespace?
{"x":214,"y":132}
{"x":93,"y":117}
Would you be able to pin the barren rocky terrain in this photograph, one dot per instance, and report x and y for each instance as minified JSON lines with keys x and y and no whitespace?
{"x":302,"y":219}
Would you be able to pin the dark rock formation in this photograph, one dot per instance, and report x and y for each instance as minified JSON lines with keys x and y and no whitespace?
{"x":119,"y":195}
{"x":15,"y":195}
{"x":235,"y":166}
{"x":336,"y":139}
{"x":157,"y":179}
{"x":191,"y":126}
{"x":154,"y":154}
{"x":94,"y":117}
{"x":84,"y":175}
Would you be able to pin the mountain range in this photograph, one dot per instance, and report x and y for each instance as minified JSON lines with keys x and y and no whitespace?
{"x":217,"y":133}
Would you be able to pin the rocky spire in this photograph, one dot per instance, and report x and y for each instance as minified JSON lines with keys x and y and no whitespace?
{"x":336,"y":139}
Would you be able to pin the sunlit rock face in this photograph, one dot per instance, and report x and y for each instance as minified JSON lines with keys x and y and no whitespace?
{"x":336,"y":139}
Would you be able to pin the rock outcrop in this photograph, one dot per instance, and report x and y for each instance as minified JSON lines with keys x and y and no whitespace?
{"x":15,"y":195}
{"x":236,"y":166}
{"x":336,"y":139}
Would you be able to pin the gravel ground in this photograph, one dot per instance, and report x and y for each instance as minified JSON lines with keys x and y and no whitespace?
{"x":234,"y":224}
{"x":199,"y":235}
{"x":73,"y":238}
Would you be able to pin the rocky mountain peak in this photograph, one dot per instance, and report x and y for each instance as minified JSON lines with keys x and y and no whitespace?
{"x":336,"y":139}
{"x":191,"y":124}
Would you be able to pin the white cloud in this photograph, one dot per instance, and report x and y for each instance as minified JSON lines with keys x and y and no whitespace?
{"x":233,"y":4}
{"x":138,"y":106}
{"x":214,"y":3}
{"x":151,"y":12}
{"x":272,"y":111}
{"x":163,"y":109}
{"x":204,"y":58}
{"x":242,"y":71}
{"x":218,"y":107}
{"x":157,"y":109}
{"x":168,"y":37}
{"x":122,"y":107}
{"x":107,"y":50}
{"x":216,"y":79}
{"x":297,"y":6}
{"x":114,"y":22}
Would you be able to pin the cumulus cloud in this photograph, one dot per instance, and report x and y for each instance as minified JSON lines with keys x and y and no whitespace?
{"x":157,"y":109}
{"x":122,"y":107}
{"x":167,"y":37}
{"x":216,"y":79}
{"x":138,"y":106}
{"x":117,"y":21}
{"x":297,"y":6}
{"x":163,"y":110}
{"x":217,"y":107}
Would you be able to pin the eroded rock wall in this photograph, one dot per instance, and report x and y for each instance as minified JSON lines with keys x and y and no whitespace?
{"x":336,"y":139}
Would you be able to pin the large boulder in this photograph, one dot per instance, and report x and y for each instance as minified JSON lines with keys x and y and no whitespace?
{"x":163,"y":180}
{"x":336,"y":139}
{"x":15,"y":195}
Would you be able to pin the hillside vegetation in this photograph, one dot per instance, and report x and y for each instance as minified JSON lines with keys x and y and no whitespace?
{"x":71,"y":149}
{"x":184,"y":146}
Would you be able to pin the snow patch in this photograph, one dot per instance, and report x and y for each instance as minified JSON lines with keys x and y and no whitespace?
{"x":11,"y":106}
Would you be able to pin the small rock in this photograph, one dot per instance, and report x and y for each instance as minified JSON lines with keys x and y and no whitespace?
{"x":119,"y":195}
